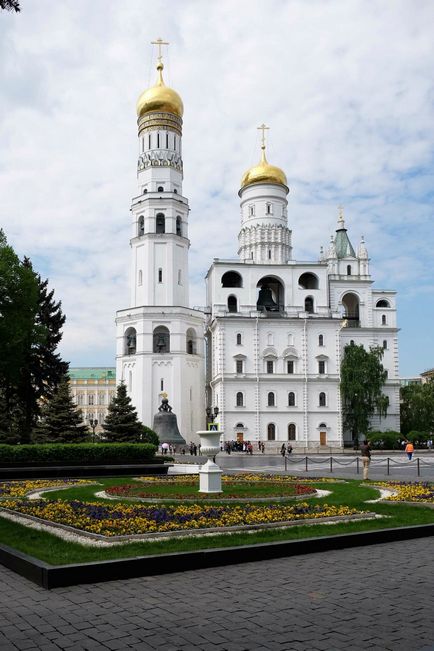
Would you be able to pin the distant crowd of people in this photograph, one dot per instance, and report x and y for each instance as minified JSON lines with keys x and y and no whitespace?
{"x":242,"y":446}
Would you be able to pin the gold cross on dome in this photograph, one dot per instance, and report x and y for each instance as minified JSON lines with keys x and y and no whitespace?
{"x":159,"y":42}
{"x":263,"y":128}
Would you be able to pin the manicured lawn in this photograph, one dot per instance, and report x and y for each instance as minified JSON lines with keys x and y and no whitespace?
{"x":352,"y":494}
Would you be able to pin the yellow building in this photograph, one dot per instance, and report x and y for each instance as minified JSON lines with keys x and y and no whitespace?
{"x":92,"y":390}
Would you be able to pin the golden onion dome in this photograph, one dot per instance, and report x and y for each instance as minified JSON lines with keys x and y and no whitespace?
{"x":160,"y":98}
{"x":264,"y":173}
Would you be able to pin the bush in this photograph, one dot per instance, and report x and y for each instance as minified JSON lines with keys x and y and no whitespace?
{"x":83,"y":454}
{"x":419,"y":439}
{"x":149,"y":436}
{"x":389,"y":440}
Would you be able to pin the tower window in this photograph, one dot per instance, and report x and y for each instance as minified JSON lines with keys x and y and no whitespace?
{"x":141,"y":226}
{"x":160,"y":275}
{"x":251,"y":210}
{"x":158,"y":140}
{"x":271,"y":432}
{"x":149,"y":141}
{"x":160,"y":188}
{"x":269,"y":254}
{"x":321,"y":340}
{"x":291,"y":432}
{"x":167,"y":141}
{"x":238,"y":339}
{"x":385,"y":344}
{"x":322,"y":399}
{"x":178,"y":226}
{"x":239,"y":366}
{"x":290,"y":367}
{"x":383,"y":319}
{"x":271,"y":399}
{"x":270,"y":366}
{"x":160,"y":223}
{"x":321,"y":367}
{"x":291,"y":399}
{"x":348,"y":270}
{"x":161,"y":340}
{"x":240,"y":399}
{"x":140,"y":281}
{"x":308,"y":304}
{"x":191,"y":342}
{"x":179,"y":277}
{"x":232,"y":304}
{"x":268,"y":209}
{"x":130,"y":341}
{"x":161,"y":385}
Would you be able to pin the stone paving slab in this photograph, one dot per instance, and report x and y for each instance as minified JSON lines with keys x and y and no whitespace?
{"x":377,"y":597}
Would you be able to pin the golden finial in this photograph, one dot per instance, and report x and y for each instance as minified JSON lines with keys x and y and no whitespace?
{"x":164,"y":394}
{"x":159,"y":42}
{"x":263,"y":128}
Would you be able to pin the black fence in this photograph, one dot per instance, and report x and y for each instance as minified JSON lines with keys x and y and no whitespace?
{"x":332,"y":463}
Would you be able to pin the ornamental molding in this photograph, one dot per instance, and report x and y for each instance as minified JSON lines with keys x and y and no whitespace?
{"x":161,"y":363}
{"x":160,"y":158}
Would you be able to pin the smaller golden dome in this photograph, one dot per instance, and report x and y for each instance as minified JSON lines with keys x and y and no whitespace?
{"x":264,"y":173}
{"x":160,"y":98}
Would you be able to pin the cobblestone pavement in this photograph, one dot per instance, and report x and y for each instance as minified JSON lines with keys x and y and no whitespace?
{"x":375,"y":597}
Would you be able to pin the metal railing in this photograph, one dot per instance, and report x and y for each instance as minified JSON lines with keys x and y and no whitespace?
{"x":332,"y":462}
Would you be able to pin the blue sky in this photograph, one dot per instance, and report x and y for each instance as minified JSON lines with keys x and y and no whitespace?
{"x":346,"y":87}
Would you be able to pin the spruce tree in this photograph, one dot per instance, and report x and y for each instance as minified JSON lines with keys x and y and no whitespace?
{"x":121,"y":424}
{"x":61,"y":421}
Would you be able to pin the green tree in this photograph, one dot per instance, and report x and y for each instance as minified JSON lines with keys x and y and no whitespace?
{"x":10,"y":5}
{"x":121,"y":424}
{"x":362,"y":381}
{"x":417,"y":408}
{"x":43,"y":368}
{"x":61,"y":421}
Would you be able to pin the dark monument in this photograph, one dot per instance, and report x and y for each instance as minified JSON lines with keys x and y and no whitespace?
{"x":166,"y":426}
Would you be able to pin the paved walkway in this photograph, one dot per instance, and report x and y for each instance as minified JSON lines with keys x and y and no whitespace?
{"x":377,"y":597}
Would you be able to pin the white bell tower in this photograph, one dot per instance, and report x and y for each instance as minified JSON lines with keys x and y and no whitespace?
{"x":160,"y":345}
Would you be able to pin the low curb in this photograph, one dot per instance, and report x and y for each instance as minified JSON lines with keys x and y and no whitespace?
{"x":55,"y":576}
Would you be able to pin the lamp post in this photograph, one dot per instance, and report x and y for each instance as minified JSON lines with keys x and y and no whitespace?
{"x":211,"y":414}
{"x":93,"y":423}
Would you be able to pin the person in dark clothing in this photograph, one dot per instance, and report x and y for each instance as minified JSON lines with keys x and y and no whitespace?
{"x":365,"y":451}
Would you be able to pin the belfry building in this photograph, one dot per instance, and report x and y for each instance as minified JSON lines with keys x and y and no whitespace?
{"x":274,"y":328}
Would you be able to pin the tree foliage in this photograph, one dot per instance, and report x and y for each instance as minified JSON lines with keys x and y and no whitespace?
{"x":362,"y":381}
{"x":61,"y":421}
{"x":417,"y":407}
{"x":121,"y":424}
{"x":10,"y":5}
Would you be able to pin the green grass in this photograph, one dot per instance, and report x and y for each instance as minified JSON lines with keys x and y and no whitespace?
{"x":53,"y":550}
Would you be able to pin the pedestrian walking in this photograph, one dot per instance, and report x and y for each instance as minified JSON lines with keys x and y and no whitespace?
{"x":365,"y":451}
{"x":283,"y":450}
{"x":429,"y":443}
{"x":409,"y":448}
{"x":289,"y":449}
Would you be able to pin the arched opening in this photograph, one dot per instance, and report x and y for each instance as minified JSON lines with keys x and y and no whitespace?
{"x":271,"y":432}
{"x":308,"y":281}
{"x":232,"y":279}
{"x":240,"y":399}
{"x":291,"y":432}
{"x":140,"y":280}
{"x":271,"y":399}
{"x":350,"y":303}
{"x":384,"y":344}
{"x":291,"y":399}
{"x":308,"y":304}
{"x":160,"y":188}
{"x":239,"y":340}
{"x":271,"y":296}
{"x":179,"y":226}
{"x":321,"y":340}
{"x":160,"y":223}
{"x":322,"y":399}
{"x":130,"y":341}
{"x":141,"y":226}
{"x":348,"y":270}
{"x":232,"y":304}
{"x":382,"y":303}
{"x":383,"y":319}
{"x":191,"y":342}
{"x":161,"y":340}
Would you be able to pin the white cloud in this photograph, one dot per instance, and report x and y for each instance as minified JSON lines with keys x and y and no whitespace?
{"x":347,"y":88}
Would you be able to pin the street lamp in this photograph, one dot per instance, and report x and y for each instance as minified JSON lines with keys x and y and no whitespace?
{"x":211,"y":416}
{"x":93,"y":423}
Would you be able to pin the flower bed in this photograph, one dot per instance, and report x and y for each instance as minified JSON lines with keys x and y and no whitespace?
{"x":410,"y":492}
{"x":20,"y":488}
{"x":122,"y":519}
{"x":252,"y":478}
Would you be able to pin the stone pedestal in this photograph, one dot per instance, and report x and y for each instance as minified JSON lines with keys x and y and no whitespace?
{"x":210,"y":475}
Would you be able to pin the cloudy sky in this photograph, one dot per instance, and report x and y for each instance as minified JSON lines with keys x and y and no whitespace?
{"x":347,"y":87}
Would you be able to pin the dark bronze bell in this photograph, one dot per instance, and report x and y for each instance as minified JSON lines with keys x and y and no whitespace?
{"x":266,"y":301}
{"x":166,"y":425}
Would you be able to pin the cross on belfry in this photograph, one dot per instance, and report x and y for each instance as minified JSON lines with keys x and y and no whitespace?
{"x":263,"y":128}
{"x":159,"y":42}
{"x":341,"y":212}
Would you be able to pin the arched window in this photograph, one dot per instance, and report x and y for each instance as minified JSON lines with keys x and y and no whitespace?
{"x":308,"y":304}
{"x":348,"y":270}
{"x":268,"y":209}
{"x":239,"y":339}
{"x":271,"y":296}
{"x":232,"y":304}
{"x":308,"y":281}
{"x":383,"y":319}
{"x":140,"y":280}
{"x":291,"y":399}
{"x":382,"y":303}
{"x":322,"y":399}
{"x":160,"y":223}
{"x":175,"y":191}
{"x":271,"y":432}
{"x":161,"y":337}
{"x":321,"y":340}
{"x":240,"y":399}
{"x":178,"y":225}
{"x":160,"y":188}
{"x":291,"y":432}
{"x":191,"y":342}
{"x":160,"y":275}
{"x":271,"y":399}
{"x":130,"y":341}
{"x":350,"y":304}
{"x":232,"y":279}
{"x":141,"y":226}
{"x":145,"y":190}
{"x":384,"y":344}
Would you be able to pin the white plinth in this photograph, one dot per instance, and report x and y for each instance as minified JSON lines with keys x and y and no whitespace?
{"x":210,"y":475}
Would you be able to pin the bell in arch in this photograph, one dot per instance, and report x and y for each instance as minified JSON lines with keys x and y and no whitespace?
{"x":265,"y":301}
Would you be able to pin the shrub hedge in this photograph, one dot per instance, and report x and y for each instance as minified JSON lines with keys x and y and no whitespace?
{"x":80,"y":454}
